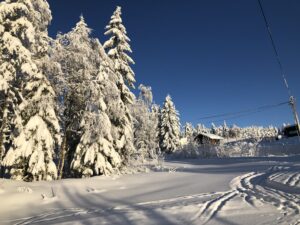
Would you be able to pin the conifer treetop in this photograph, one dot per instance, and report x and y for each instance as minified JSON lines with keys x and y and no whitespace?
{"x":170,"y":126}
{"x":81,"y":26}
{"x":118,"y":45}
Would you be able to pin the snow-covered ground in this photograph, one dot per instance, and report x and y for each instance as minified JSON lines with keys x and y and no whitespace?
{"x":211,"y":191}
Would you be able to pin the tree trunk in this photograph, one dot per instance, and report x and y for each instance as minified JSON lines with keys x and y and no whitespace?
{"x":2,"y":129}
{"x":62,"y":157}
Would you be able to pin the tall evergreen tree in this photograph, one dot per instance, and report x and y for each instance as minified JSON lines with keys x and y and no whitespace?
{"x":117,"y":47}
{"x":145,"y":125}
{"x":119,"y":114}
{"x":95,"y":153}
{"x":14,"y":53}
{"x":36,"y":127}
{"x":188,"y":131}
{"x":170,"y":127}
{"x":121,"y":74}
{"x":156,"y":113}
{"x":77,"y":54}
{"x":225,"y":130}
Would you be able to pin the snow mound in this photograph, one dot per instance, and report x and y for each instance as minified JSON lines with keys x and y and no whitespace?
{"x":47,"y":199}
{"x":24,"y":190}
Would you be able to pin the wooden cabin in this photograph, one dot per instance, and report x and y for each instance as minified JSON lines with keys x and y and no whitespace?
{"x":208,"y":139}
{"x":290,"y":131}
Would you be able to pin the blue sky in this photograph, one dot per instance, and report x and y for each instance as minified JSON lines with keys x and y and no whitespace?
{"x":211,"y":56}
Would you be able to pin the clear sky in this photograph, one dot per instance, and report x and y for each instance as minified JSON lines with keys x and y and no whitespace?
{"x":211,"y":56}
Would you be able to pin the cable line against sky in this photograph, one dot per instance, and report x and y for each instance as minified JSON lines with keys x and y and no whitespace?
{"x":275,"y":49}
{"x":292,"y":99}
{"x":247,"y":111}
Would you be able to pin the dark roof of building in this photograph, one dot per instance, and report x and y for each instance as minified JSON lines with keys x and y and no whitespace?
{"x":211,"y":136}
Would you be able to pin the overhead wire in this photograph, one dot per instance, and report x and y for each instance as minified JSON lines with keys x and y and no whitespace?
{"x":292,"y":103}
{"x":248,"y":114}
{"x":247,"y":111}
{"x":274,"y":48}
{"x":243,"y":113}
{"x":234,"y":115}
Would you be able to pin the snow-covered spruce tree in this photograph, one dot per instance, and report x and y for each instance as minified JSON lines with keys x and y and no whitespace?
{"x":53,"y":70}
{"x":188,"y":131}
{"x":35,"y":124}
{"x":117,"y":47}
{"x":95,"y":153}
{"x":107,"y":148}
{"x":225,"y":130}
{"x":170,"y":127}
{"x":156,"y":115}
{"x":79,"y":61}
{"x":145,"y":125}
{"x":12,"y":46}
{"x":146,"y":95}
{"x":234,"y":131}
{"x":156,"y":118}
{"x":119,"y":114}
{"x":213,"y":129}
{"x":8,"y":97}
{"x":121,"y":75}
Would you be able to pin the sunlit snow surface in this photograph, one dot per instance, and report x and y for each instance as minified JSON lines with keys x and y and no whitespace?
{"x":211,"y":191}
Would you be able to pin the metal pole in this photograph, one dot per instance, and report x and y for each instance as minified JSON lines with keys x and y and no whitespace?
{"x":293,"y":105}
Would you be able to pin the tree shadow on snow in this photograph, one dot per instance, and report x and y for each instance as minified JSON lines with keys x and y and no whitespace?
{"x":96,"y":209}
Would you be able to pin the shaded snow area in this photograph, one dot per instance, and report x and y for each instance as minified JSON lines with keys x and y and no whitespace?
{"x":210,"y":191}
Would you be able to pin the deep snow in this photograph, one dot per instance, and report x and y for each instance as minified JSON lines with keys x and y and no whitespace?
{"x":211,"y":191}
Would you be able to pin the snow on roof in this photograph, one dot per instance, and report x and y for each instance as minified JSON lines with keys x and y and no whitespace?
{"x":211,"y":136}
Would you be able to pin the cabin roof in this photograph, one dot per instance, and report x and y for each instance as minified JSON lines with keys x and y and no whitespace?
{"x":211,"y":136}
{"x":290,"y":126}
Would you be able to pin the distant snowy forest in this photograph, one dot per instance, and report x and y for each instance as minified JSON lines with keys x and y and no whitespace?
{"x":67,"y":107}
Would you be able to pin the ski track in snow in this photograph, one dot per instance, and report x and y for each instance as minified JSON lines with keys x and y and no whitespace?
{"x":276,"y":186}
{"x":212,"y":207}
{"x":262,"y":187}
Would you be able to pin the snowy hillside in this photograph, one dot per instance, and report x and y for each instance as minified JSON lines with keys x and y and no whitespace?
{"x":216,"y":191}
